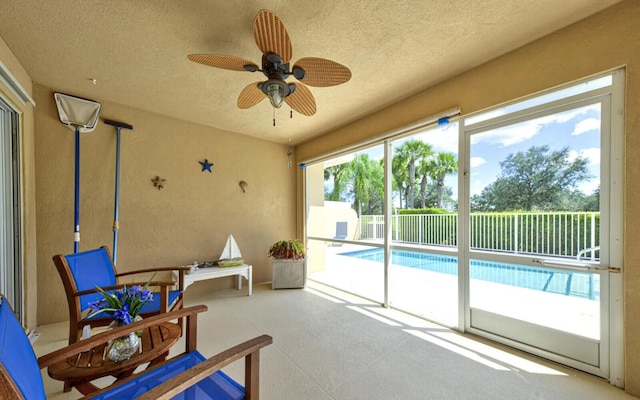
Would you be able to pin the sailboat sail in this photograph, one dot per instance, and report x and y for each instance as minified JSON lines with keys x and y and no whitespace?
{"x":231,"y":255}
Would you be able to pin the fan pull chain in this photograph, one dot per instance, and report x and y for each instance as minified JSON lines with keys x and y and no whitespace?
{"x":274,"y":117}
{"x":291,"y":114}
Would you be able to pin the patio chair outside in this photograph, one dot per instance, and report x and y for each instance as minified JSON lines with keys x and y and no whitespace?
{"x":81,"y":272}
{"x":187,"y":375}
{"x":341,"y":230}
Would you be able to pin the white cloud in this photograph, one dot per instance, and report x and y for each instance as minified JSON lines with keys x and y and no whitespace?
{"x":477,"y":161}
{"x":586,"y":125}
{"x":569,"y":115}
{"x":591,"y":154}
{"x":442,"y":138}
{"x":509,"y":135}
{"x":518,"y":133}
{"x":476,"y":186}
{"x":588,"y":187}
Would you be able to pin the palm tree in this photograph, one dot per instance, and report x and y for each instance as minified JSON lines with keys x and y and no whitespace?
{"x":424,"y":173}
{"x":410,"y":153}
{"x":439,"y":167}
{"x":360,"y":180}
{"x":339,"y":173}
{"x":363,"y":175}
{"x":400,"y":177}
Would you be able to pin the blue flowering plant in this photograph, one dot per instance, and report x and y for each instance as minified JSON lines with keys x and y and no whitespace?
{"x":124,"y":304}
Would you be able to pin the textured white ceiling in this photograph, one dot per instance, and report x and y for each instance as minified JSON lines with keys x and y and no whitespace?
{"x":136,"y":50}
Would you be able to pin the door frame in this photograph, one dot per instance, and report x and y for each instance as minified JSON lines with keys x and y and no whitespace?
{"x":610,"y":352}
{"x":11,"y":264}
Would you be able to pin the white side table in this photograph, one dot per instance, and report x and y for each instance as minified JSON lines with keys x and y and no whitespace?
{"x":201,"y":274}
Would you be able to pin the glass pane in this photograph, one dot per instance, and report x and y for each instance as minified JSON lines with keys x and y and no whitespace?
{"x":425,"y":203}
{"x":547,"y":98}
{"x":535,"y":190}
{"x":564,"y":300}
{"x":10,"y":266}
{"x":535,"y":186}
{"x":347,"y":267}
{"x":425,"y":284}
{"x":345,"y":200}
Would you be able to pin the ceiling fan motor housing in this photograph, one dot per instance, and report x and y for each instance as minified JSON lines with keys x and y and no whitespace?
{"x":277,"y":72}
{"x":274,"y":68}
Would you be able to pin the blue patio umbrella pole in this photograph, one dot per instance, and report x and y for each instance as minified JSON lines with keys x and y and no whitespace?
{"x":116,"y":223}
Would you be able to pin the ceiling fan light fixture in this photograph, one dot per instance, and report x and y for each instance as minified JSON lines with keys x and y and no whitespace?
{"x":276,"y":92}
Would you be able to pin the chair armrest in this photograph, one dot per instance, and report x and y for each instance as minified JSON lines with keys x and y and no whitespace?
{"x":193,"y":375}
{"x":89,"y":343}
{"x":146,"y":270}
{"x":181,"y":272}
{"x":154,"y":283}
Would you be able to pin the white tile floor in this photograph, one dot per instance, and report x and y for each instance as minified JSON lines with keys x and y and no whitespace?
{"x":328,"y":345}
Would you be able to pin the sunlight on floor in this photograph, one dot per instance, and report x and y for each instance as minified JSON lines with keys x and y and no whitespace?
{"x":373,"y":315}
{"x":446,"y":338}
{"x":456,"y":349}
{"x":518,"y":363}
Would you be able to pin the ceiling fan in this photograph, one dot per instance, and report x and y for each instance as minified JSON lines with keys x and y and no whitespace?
{"x":273,"y":40}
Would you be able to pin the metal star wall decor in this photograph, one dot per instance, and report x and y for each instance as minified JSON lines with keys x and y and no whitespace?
{"x":206,"y":165}
{"x":158,"y":182}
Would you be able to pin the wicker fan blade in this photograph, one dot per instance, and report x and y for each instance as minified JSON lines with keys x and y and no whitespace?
{"x":271,"y":35}
{"x":302,"y":100}
{"x":221,"y":61}
{"x":250,"y":96}
{"x":321,"y":72}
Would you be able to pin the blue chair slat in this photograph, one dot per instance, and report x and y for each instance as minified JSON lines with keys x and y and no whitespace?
{"x":151,"y":306}
{"x":154,"y":305}
{"x":91,"y":268}
{"x":17,"y":356}
{"x":217,"y":386}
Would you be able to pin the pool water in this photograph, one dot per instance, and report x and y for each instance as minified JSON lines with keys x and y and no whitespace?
{"x":576,"y":284}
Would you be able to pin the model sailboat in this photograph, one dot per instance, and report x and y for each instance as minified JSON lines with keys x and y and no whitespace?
{"x":230,"y":256}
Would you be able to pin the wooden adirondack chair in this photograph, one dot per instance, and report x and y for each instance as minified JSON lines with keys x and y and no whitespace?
{"x":188,"y":375}
{"x":81,"y":272}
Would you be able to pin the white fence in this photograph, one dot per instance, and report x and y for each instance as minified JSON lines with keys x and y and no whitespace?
{"x":564,"y":234}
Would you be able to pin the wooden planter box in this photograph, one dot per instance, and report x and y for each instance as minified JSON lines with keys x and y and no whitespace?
{"x":288,"y":274}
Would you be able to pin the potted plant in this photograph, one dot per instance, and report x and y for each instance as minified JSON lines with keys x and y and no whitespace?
{"x":123,"y":305}
{"x":288,"y":264}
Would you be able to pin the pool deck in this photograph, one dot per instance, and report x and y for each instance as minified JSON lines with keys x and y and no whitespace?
{"x":434,"y":296}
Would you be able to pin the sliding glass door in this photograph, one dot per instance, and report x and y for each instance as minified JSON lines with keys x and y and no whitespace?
{"x":539,"y":224}
{"x":506,"y":223}
{"x":423,"y":272}
{"x":10,"y":250}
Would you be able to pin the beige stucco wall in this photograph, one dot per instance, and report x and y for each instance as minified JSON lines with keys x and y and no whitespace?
{"x":28,"y":185}
{"x":189,"y":220}
{"x":603,"y":42}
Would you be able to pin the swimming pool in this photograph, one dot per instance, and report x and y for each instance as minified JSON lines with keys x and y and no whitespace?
{"x":575,"y":284}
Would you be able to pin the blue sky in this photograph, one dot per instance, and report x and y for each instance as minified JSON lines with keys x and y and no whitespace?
{"x":578,"y":129}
